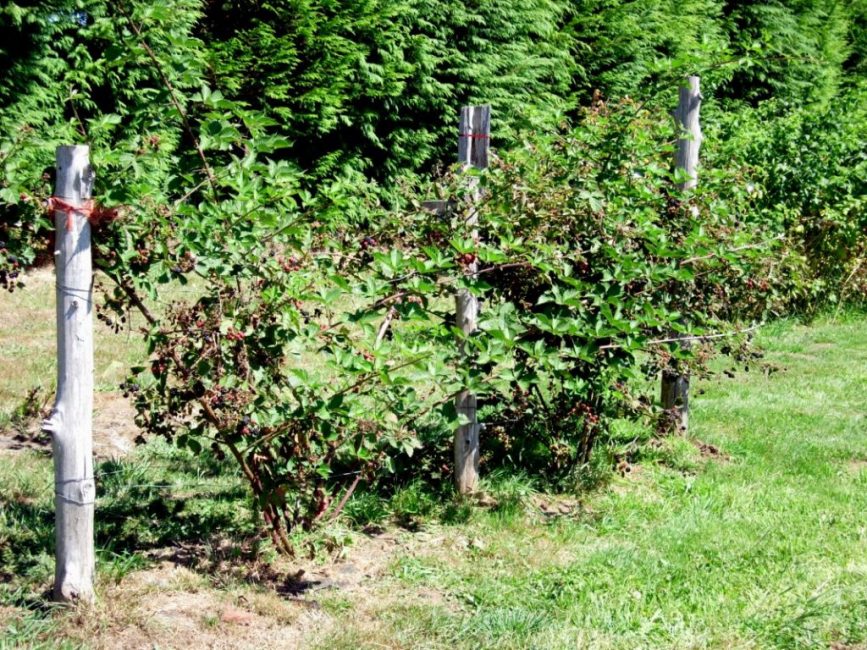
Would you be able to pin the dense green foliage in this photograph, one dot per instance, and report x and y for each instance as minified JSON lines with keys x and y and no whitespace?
{"x":266,"y":160}
{"x":375,"y":84}
{"x":808,"y":170}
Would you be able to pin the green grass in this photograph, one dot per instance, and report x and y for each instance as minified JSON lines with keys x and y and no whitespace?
{"x":764,"y":549}
{"x":158,"y":497}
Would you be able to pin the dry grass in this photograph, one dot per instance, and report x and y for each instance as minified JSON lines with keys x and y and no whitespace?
{"x":27,"y":356}
{"x":168,"y":605}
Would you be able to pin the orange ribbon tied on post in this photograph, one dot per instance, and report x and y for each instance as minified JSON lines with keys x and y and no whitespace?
{"x":58,"y":204}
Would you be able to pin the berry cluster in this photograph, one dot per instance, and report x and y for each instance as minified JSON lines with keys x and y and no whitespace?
{"x":185,"y":264}
{"x":246,"y":427}
{"x":112,"y":322}
{"x":9,"y":271}
{"x":129,"y":387}
{"x":465,"y":259}
{"x":761,"y":285}
{"x":289,"y":264}
{"x":234,"y":335}
{"x":586,"y":412}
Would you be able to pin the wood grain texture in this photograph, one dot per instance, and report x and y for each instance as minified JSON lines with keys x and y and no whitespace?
{"x":688,"y":144}
{"x":674,"y":393}
{"x":71,"y":420}
{"x":473,"y":147}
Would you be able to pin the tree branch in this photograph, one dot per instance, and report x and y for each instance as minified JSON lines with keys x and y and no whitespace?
{"x":172,"y":96}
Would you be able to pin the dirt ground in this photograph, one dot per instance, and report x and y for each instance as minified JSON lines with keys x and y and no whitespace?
{"x":114,"y":430}
{"x":170,"y":606}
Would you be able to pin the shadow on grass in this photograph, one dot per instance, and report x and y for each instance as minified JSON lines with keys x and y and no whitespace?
{"x":142,"y":504}
{"x":137,"y":513}
{"x":165,"y":504}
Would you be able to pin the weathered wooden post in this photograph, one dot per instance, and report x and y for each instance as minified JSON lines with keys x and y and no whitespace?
{"x":473,"y":146}
{"x":675,"y":385}
{"x":71,"y":421}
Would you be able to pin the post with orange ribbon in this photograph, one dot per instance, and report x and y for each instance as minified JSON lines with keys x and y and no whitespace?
{"x":71,"y":420}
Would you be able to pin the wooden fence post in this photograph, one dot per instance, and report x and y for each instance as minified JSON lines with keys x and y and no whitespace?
{"x":675,"y":385}
{"x":71,"y":421}
{"x":473,"y":145}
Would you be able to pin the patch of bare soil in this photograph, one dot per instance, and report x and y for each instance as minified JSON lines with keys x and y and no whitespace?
{"x":12,"y":441}
{"x":631,"y":471}
{"x":710,"y":451}
{"x":348,"y":568}
{"x":8,"y":615}
{"x":114,"y":429}
{"x":632,"y":482}
{"x":856,"y":466}
{"x":169,"y":606}
{"x":558,"y":506}
{"x":229,"y":601}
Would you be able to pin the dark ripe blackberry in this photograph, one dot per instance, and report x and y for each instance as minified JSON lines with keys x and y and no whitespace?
{"x":218,"y":451}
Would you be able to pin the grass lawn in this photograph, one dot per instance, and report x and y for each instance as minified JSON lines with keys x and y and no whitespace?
{"x":763,"y":547}
{"x":750,"y":534}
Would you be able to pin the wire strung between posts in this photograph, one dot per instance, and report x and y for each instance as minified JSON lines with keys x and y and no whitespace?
{"x":74,"y":292}
{"x":63,"y":287}
{"x":213,"y":489}
{"x":75,"y":501}
{"x":79,"y":481}
{"x":682,"y":339}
